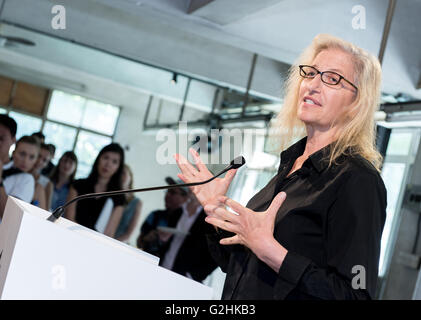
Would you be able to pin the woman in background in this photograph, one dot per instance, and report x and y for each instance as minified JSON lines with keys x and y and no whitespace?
{"x":41,"y":197}
{"x":61,"y":178}
{"x":105,"y":176}
{"x":131,"y":212}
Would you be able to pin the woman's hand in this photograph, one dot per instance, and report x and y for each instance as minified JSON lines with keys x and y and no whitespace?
{"x":205,"y":193}
{"x":252,"y":229}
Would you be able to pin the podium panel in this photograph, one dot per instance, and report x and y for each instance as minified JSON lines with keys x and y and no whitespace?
{"x":63,"y":260}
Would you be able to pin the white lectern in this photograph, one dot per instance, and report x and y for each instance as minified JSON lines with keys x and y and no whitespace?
{"x":63,"y":260}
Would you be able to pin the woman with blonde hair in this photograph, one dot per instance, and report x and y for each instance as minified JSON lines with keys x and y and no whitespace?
{"x":314,"y":231}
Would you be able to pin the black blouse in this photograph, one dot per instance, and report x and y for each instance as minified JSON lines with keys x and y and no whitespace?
{"x":331,"y":224}
{"x":88,"y":210}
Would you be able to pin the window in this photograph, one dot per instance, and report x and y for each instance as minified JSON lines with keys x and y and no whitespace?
{"x":400,"y":154}
{"x":87,"y":148}
{"x":70,"y":115}
{"x":72,"y":123}
{"x":61,"y":136}
{"x":399,"y":143}
{"x":66,"y":108}
{"x":27,"y":125}
{"x":100,"y":117}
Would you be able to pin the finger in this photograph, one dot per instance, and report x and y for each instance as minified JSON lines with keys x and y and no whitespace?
{"x":224,"y":214}
{"x":222,"y":224}
{"x":185,"y":166}
{"x":276,"y":203}
{"x":182,"y":177}
{"x":232,"y":240}
{"x":198,"y":162}
{"x":230,"y":175}
{"x":209,"y":209}
{"x":237,"y":207}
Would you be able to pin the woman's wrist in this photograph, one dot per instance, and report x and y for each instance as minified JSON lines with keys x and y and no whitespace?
{"x":273,"y":254}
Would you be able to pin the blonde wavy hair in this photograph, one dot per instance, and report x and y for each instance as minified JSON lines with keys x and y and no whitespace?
{"x":357,"y":131}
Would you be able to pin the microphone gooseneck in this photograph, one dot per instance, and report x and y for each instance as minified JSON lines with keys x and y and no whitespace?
{"x":57,"y":213}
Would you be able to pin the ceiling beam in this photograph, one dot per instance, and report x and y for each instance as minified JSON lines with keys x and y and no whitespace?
{"x":386,"y":29}
{"x":224,"y":12}
{"x":197,"y":4}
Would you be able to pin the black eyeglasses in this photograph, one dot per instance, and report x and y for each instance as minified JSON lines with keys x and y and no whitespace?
{"x":328,"y":77}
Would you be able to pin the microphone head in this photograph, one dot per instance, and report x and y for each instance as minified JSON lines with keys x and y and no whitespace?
{"x":237,"y":162}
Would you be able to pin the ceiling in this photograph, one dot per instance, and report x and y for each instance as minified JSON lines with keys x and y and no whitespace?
{"x":212,"y":40}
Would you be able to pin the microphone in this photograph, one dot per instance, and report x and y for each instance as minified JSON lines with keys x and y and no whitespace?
{"x":57,"y":213}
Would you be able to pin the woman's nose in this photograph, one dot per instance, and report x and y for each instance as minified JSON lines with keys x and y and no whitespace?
{"x":315,"y":83}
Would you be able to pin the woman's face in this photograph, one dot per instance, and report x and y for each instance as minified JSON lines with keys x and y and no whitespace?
{"x":108,"y":164}
{"x":330,"y":101}
{"x":67,"y":166}
{"x":44,"y":158}
{"x":126,"y":179}
{"x":25,"y":156}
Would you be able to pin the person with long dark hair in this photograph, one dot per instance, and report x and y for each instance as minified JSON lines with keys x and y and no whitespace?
{"x":61,"y":178}
{"x":105,"y":175}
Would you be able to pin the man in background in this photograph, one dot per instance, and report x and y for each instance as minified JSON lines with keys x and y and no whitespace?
{"x":13,"y":181}
{"x":151,"y":239}
{"x":183,"y":246}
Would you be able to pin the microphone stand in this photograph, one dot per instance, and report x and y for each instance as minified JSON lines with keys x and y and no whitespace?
{"x":59,"y":211}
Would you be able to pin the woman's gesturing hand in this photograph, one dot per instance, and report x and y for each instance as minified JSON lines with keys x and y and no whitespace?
{"x":252,"y":229}
{"x":205,"y":193}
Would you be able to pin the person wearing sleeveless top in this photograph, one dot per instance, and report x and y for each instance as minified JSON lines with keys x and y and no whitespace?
{"x":132,"y":211}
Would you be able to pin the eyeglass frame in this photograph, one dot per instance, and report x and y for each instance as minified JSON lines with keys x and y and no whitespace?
{"x":321,"y":76}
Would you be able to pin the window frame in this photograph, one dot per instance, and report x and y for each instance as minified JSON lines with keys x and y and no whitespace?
{"x":78,"y":129}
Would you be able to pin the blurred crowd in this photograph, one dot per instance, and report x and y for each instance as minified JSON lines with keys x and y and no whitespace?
{"x":176,"y":233}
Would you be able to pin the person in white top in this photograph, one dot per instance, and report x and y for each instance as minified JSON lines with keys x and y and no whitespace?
{"x":13,"y":181}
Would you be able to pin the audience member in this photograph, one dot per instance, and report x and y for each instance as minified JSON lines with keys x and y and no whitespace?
{"x":16,"y":179}
{"x":186,"y":251}
{"x":131,"y":212}
{"x":177,"y":235}
{"x":150,"y":238}
{"x":48,"y":170}
{"x":61,"y":178}
{"x":40,"y":136}
{"x":12,"y":182}
{"x":8,"y":128}
{"x":105,"y":175}
{"x":42,"y":198}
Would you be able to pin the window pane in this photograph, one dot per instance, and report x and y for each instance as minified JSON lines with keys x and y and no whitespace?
{"x":27,"y":125}
{"x":83,"y":170}
{"x":61,"y":136}
{"x":100,"y":117}
{"x":392,"y":174}
{"x":399,"y":143}
{"x":87,"y":148}
{"x":2,"y":110}
{"x":67,"y":108}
